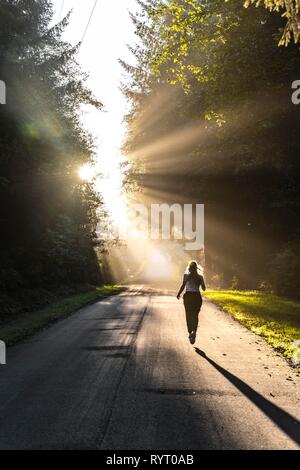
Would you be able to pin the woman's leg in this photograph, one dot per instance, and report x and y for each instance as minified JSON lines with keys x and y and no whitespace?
{"x":189,"y":321}
{"x":194,"y":320}
{"x":188,"y":312}
{"x":195,"y":316}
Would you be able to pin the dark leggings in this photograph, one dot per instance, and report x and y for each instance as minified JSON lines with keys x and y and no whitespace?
{"x":192,"y":304}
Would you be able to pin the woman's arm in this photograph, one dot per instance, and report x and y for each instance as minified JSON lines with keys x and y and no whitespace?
{"x":181,"y":288}
{"x":203,"y":283}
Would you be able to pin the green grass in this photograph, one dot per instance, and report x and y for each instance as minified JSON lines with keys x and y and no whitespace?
{"x":25,"y":325}
{"x":274,"y":318}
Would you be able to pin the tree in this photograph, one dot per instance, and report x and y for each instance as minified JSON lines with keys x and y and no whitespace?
{"x":48,"y":216}
{"x":289,"y":9}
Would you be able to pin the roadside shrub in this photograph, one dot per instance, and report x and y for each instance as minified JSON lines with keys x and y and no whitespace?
{"x":285,"y":271}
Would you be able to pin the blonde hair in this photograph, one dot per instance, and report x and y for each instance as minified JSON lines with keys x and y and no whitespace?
{"x":194,"y":267}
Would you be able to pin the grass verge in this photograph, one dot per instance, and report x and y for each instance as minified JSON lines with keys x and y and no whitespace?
{"x":25,"y":325}
{"x":274,"y":318}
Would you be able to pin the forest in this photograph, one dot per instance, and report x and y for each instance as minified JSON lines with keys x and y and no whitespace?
{"x":150,"y":229}
{"x":48,"y":215}
{"x":211,"y":121}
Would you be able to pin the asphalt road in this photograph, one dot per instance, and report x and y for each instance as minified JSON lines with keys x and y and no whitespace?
{"x":121,"y":374}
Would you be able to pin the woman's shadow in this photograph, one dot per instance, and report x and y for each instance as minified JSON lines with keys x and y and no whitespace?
{"x":285,"y":421}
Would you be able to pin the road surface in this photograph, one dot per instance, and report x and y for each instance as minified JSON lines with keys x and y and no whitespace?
{"x":121,"y":374}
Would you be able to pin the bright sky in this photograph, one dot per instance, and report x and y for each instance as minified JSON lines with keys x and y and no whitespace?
{"x":105,"y":42}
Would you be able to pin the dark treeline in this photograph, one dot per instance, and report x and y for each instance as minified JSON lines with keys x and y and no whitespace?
{"x":212,"y":122}
{"x":48,"y":216}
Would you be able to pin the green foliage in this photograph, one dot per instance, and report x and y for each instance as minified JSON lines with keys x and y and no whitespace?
{"x":285,"y":270}
{"x":48,"y":216}
{"x":274,"y":318}
{"x":234,"y":283}
{"x":290,"y":10}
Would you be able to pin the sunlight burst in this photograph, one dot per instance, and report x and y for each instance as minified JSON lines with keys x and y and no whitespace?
{"x":87,"y":172}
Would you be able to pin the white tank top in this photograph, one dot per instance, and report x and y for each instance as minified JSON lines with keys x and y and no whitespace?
{"x":191,"y":284}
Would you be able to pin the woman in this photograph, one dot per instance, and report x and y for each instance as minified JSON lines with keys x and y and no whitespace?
{"x":192,"y":299}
